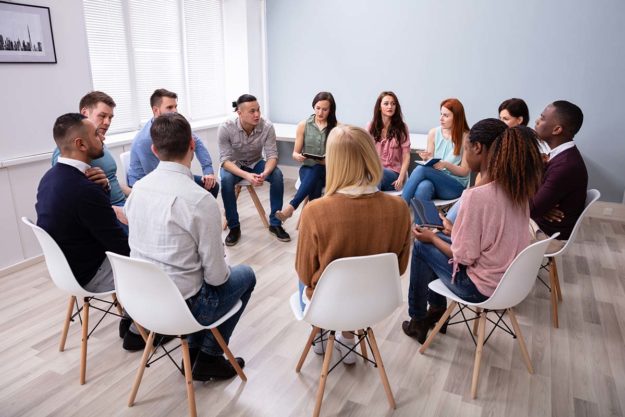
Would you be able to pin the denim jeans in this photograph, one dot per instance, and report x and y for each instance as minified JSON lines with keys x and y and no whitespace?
{"x":452,"y":213}
{"x":214,"y":191}
{"x":276,"y":193}
{"x":427,"y":183}
{"x":211,"y":303}
{"x":312,"y":180}
{"x":388,"y":178}
{"x":427,"y":264}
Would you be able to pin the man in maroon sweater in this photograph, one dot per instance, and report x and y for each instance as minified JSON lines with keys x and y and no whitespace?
{"x":561,"y":198}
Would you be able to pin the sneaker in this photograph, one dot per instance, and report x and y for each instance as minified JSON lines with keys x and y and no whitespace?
{"x":280,"y":233}
{"x":124,"y":325}
{"x":319,"y":345}
{"x":350,"y":356}
{"x":233,"y":236}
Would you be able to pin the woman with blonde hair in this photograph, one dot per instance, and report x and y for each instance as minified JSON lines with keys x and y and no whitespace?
{"x":354,"y":218}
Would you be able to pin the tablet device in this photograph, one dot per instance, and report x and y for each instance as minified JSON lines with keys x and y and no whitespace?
{"x":313,"y":156}
{"x":425,"y":213}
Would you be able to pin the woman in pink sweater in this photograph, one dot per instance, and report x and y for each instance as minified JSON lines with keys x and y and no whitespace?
{"x":490,"y":230}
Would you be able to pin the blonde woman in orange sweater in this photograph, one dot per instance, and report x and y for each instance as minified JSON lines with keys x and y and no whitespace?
{"x":353,"y":218}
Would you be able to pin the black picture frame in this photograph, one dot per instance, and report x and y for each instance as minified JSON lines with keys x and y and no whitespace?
{"x":26,"y":34}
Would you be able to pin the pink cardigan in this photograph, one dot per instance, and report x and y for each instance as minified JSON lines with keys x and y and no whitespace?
{"x":488,"y":234}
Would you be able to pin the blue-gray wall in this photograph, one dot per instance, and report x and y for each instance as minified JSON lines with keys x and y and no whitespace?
{"x":481,"y":52}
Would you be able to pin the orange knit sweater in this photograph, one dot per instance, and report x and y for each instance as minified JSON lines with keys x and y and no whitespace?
{"x":340,"y":226}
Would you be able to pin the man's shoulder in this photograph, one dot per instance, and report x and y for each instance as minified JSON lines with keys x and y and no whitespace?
{"x":569,"y":160}
{"x":143,"y":136}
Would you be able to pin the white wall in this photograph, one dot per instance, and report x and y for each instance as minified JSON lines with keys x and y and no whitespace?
{"x":481,"y":52}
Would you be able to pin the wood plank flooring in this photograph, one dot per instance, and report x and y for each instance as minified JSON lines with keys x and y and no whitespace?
{"x":579,"y":368}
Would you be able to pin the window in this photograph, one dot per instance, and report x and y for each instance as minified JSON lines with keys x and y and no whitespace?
{"x":136,"y":47}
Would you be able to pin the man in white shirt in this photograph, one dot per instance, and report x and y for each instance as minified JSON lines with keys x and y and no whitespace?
{"x":177,"y":225}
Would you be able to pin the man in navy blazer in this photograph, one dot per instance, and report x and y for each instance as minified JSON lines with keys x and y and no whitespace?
{"x":77,"y":212}
{"x":561,"y":198}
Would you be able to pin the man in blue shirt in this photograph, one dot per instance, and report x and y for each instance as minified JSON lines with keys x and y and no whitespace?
{"x":142,"y":159}
{"x":98,"y":107}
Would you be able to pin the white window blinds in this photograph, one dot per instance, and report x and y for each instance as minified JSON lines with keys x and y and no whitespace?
{"x":136,"y":47}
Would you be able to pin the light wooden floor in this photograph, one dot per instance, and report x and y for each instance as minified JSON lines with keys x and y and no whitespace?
{"x":579,"y":368}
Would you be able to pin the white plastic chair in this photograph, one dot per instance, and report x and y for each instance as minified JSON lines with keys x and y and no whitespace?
{"x":124,"y":157}
{"x":154,"y":301}
{"x":556,"y":292}
{"x":255,"y":199}
{"x":63,"y":277}
{"x":515,"y":285}
{"x":352,"y":294}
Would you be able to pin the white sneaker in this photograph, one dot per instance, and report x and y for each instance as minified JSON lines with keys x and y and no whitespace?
{"x":350,"y":359}
{"x":319,"y":346}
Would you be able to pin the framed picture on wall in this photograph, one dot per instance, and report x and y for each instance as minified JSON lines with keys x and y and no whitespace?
{"x":26,"y":34}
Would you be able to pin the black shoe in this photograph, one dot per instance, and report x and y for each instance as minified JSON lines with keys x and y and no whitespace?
{"x":206,"y":367}
{"x":134,"y":342}
{"x":280,"y":233}
{"x":124,"y":325}
{"x":234,"y":236}
{"x":417,"y":329}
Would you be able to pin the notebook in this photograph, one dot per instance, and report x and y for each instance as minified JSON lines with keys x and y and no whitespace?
{"x":430,"y":162}
{"x":313,"y":156}
{"x":425,"y":213}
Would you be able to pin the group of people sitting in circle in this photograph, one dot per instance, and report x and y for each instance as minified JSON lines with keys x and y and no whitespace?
{"x":530,"y":184}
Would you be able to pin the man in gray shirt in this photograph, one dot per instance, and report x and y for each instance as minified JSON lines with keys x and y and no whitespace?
{"x":241,"y":145}
{"x":177,"y":225}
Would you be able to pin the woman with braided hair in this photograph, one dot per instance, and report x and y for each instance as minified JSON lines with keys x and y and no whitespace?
{"x":471,"y":256}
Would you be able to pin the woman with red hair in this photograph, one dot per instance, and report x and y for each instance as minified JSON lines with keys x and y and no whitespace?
{"x":449,"y":177}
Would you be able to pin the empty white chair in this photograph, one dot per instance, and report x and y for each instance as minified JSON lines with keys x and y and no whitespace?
{"x":64,"y":279}
{"x":153,"y":300}
{"x":352,"y":294}
{"x":515,"y":285}
{"x":556,"y":292}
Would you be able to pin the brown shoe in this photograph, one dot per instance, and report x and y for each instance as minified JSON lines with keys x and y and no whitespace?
{"x":417,"y":329}
{"x":434,"y":314}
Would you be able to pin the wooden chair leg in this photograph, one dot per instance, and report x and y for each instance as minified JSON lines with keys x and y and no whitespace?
{"x":554,"y":264}
{"x":324,"y":374}
{"x":117,"y":304}
{"x":141,"y":331}
{"x":144,"y":361}
{"x":85,"y":335}
{"x":259,"y":206}
{"x":300,"y":212}
{"x":229,"y":355}
{"x":68,"y":319}
{"x":363,"y":346}
{"x":378,"y":359}
{"x":554,"y":296}
{"x":438,"y":326}
{"x":478,"y":310}
{"x":519,"y":336}
{"x":186,"y":359}
{"x":478,"y":354}
{"x":309,"y":342}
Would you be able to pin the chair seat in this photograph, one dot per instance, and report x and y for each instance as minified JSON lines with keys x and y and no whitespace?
{"x":295,"y":306}
{"x":189,"y":325}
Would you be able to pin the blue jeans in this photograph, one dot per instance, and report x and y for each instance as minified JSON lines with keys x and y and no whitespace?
{"x":214,"y":191}
{"x":388,"y":178}
{"x":452,"y":213}
{"x":211,"y":303}
{"x":276,"y":193}
{"x":312,"y":180}
{"x":427,"y":264}
{"x":427,"y":183}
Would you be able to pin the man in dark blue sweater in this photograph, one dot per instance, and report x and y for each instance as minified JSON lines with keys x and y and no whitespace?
{"x":77,"y":212}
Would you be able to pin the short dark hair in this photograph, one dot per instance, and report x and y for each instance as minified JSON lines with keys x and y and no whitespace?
{"x":245,"y":98}
{"x":157,"y":96}
{"x":569,"y":115}
{"x":90,"y":100}
{"x":517,"y":108}
{"x":487,"y":131}
{"x":171,"y":135}
{"x":65,"y":128}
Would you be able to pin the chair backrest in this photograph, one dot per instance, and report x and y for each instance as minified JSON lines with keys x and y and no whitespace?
{"x":125,"y":158}
{"x":519,"y":278}
{"x":354,"y":293}
{"x":59,"y":269}
{"x":150,"y":297}
{"x":592,"y":195}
